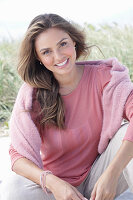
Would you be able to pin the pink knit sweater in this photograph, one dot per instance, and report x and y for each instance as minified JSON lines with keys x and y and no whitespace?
{"x":100,"y":95}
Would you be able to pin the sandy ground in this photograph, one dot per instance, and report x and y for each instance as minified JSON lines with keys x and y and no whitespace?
{"x":5,"y":166}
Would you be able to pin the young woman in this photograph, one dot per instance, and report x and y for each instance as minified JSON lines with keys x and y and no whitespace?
{"x":67,"y":141}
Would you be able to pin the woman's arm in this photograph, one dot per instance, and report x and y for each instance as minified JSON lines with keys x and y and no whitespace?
{"x":122,"y":158}
{"x":28,"y":169}
{"x":60,"y":189}
{"x":105,"y":188}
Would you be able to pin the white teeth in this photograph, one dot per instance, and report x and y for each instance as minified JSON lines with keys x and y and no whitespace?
{"x":61,"y":64}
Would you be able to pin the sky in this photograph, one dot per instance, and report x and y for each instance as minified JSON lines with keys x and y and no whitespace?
{"x":15,"y":15}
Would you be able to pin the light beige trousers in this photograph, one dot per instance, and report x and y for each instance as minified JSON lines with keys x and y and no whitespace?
{"x":20,"y":188}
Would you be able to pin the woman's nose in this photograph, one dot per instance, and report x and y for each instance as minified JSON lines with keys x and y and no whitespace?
{"x":57,"y":55}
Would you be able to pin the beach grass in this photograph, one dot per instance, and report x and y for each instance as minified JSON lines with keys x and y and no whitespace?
{"x":9,"y":80}
{"x":113,"y":41}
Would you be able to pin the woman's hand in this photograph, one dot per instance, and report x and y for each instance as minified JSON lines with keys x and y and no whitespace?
{"x":105,"y":187}
{"x":63,"y":190}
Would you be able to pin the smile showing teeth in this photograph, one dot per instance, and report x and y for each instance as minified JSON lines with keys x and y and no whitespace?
{"x":61,"y":64}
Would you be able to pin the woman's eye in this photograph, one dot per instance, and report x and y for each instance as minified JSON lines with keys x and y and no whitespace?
{"x":63,"y":44}
{"x":46,"y":52}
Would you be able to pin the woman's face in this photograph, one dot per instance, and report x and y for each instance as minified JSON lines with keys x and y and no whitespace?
{"x":56,"y":50}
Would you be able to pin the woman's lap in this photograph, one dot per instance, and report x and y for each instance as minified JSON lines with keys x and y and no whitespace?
{"x":19,"y":188}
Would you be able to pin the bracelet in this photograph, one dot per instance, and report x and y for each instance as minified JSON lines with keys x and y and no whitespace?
{"x":43,"y":180}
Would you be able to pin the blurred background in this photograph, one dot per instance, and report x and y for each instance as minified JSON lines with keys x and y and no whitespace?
{"x":16,"y":15}
{"x":108,"y":25}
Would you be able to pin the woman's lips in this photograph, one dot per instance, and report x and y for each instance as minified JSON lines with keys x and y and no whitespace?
{"x":63,"y":64}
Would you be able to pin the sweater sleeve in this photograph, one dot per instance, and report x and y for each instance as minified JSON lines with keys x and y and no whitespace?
{"x":14,"y":155}
{"x":104,"y":77}
{"x":128,"y":115}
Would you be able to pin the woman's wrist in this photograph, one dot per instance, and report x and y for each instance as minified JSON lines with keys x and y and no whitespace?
{"x":43,"y":176}
{"x":50,"y":181}
{"x":114,"y":171}
{"x":122,"y":158}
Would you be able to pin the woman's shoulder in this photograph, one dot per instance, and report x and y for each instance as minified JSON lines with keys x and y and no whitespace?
{"x":98,"y":69}
{"x":25,"y":87}
{"x":99,"y":72}
{"x":24,"y":96}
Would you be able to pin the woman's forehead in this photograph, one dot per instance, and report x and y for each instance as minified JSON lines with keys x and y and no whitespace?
{"x":50,"y":36}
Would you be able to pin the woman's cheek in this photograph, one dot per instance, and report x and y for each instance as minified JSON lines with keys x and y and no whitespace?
{"x":48,"y":62}
{"x":71,"y":51}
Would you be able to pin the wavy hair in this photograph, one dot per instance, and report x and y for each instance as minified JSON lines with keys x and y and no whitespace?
{"x":32,"y":72}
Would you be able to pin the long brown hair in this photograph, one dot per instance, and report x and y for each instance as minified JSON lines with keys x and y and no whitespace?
{"x":32,"y":72}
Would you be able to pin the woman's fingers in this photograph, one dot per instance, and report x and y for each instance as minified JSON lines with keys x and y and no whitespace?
{"x":100,"y":194}
{"x":75,"y":196}
{"x":93,"y":194}
{"x":79,"y":194}
{"x":99,"y":197}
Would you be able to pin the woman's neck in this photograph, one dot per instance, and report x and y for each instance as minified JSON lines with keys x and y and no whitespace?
{"x":69,"y":82}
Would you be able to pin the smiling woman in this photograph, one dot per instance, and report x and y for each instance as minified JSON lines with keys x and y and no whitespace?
{"x":51,"y":40}
{"x":57,"y":53}
{"x":65,"y":143}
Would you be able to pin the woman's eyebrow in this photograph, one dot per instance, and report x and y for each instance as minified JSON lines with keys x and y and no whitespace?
{"x":44,"y":49}
{"x":61,"y":40}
